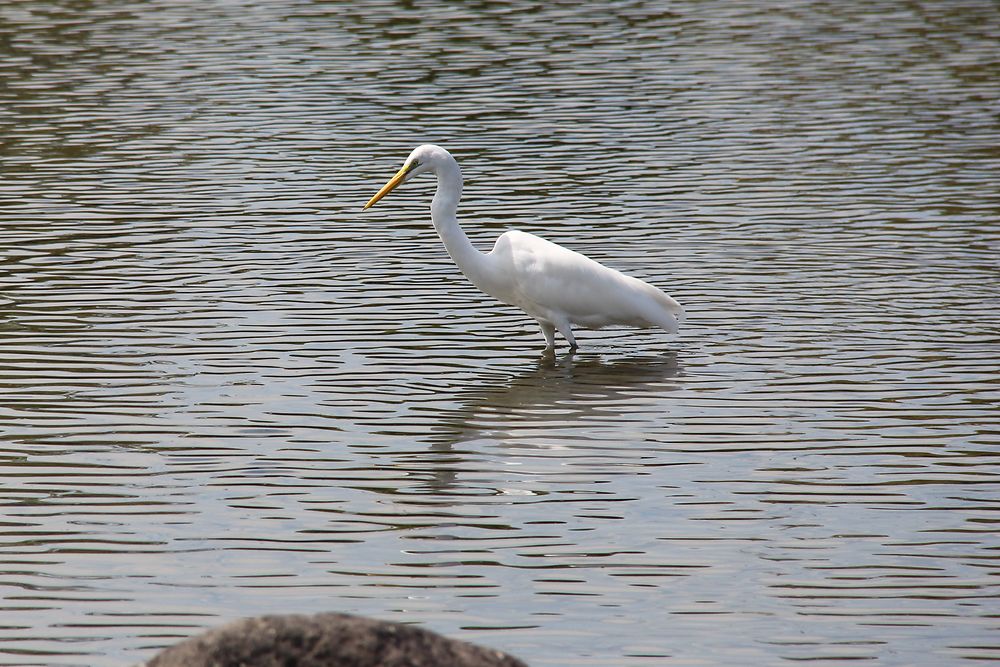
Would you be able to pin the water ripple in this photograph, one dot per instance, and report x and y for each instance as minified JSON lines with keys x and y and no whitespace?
{"x":225,"y":391}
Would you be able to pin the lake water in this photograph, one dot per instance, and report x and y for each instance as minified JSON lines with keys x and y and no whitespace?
{"x":225,"y":391}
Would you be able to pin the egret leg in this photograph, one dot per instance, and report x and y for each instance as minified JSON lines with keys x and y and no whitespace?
{"x":567,"y":333}
{"x":549,"y":332}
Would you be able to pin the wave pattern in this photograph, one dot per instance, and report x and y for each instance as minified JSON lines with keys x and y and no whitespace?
{"x":224,"y":391}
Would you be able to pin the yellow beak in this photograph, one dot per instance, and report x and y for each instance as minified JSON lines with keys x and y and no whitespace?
{"x":390,"y":186}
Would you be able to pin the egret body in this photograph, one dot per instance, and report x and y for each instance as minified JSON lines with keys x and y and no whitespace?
{"x":556,"y":286}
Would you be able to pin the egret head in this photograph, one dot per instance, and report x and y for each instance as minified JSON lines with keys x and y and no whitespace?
{"x":421,"y":159}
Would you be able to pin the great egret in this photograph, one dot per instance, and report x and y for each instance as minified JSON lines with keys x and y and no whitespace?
{"x":556,"y":286}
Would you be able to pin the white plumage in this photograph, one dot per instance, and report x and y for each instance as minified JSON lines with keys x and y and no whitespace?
{"x":556,"y":286}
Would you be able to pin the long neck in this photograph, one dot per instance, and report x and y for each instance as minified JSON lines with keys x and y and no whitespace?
{"x":443,"y":213}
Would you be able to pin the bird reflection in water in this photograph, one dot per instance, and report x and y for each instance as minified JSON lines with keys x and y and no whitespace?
{"x":542,"y":406}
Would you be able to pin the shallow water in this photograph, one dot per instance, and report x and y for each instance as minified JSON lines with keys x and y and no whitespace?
{"x":226,"y":392}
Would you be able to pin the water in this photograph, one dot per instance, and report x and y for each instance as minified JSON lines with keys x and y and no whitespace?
{"x":225,"y":391}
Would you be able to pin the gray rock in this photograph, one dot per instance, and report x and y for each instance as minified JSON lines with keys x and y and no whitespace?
{"x":326,"y":640}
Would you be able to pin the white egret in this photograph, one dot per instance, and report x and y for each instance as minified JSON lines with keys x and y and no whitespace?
{"x":556,"y":286}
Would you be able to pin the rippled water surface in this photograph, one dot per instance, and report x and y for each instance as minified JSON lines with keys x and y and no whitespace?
{"x":224,"y":391}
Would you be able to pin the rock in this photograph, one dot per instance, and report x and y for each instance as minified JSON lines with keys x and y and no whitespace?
{"x":326,"y":640}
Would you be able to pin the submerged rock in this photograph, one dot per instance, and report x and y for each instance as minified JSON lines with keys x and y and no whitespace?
{"x":326,"y":640}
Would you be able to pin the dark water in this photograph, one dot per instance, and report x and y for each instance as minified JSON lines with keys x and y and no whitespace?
{"x":224,"y":391}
